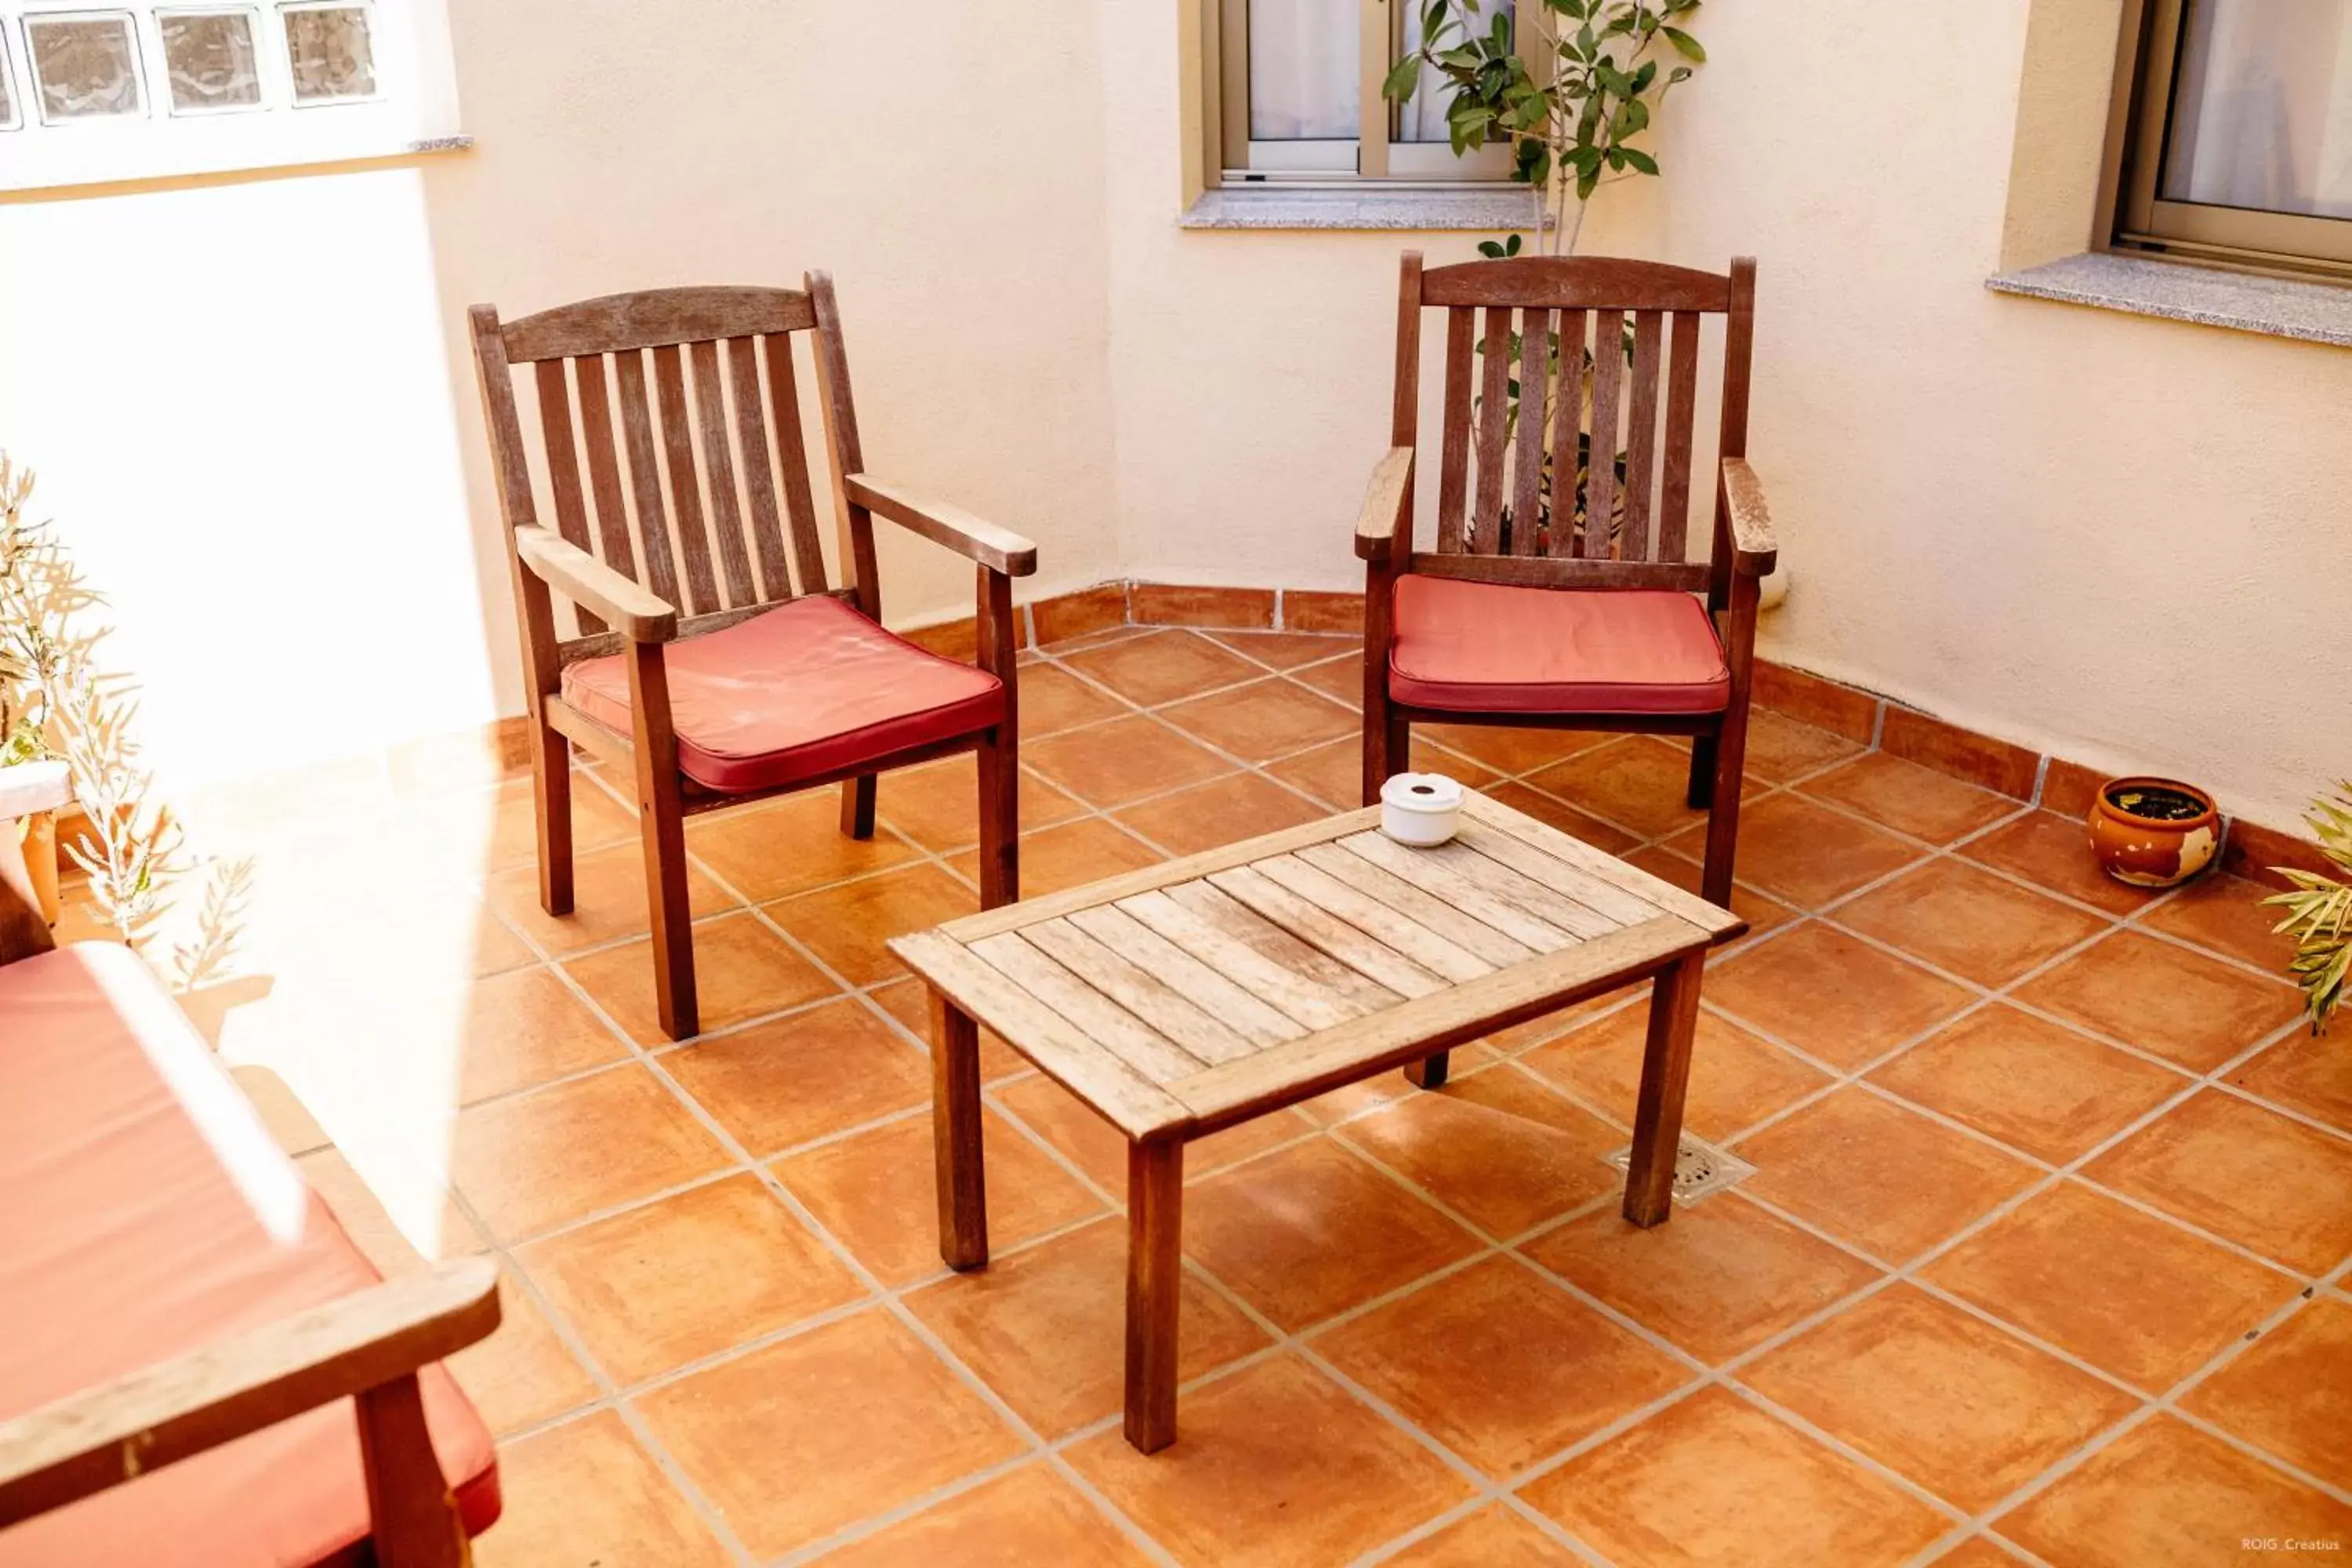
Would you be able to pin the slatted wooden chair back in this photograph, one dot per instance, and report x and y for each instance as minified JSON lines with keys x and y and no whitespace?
{"x":670,"y":443}
{"x":1546,"y":428}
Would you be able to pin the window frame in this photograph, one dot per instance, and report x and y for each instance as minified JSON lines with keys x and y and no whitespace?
{"x":1376,"y":156}
{"x":2140,"y":220}
{"x":413,"y":108}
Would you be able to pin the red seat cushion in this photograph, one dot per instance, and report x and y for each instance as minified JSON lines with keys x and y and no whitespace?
{"x":1487,"y":648}
{"x":803,"y":690}
{"x":149,"y":1213}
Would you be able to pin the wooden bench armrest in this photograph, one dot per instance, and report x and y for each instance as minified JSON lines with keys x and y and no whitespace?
{"x":975,"y":538}
{"x":636,"y":612}
{"x":104,"y":1436}
{"x":1383,"y":516}
{"x":1755,"y":548}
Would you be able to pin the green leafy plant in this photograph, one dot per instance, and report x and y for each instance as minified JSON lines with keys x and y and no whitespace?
{"x":2319,"y":911}
{"x":1600,"y":75}
{"x":56,"y":702}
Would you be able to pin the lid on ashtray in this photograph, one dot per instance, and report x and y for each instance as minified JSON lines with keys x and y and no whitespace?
{"x":1422,"y":792}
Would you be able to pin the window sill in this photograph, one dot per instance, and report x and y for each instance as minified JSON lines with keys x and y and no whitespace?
{"x":2179,"y":291}
{"x":1487,"y":209}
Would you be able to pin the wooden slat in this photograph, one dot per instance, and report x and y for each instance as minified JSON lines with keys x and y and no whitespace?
{"x":1454,"y":450}
{"x":1642,"y":437}
{"x":1613,"y":903}
{"x":685,"y":486}
{"x":563,"y":468}
{"x":1493,"y":425}
{"x":1116,"y":1030}
{"x":1264,"y":958}
{"x":1439,"y":954}
{"x":719,"y":470}
{"x":1535,"y":377}
{"x":792,"y":456}
{"x":1555,"y":573}
{"x":1284,"y":1075}
{"x":645,"y":476}
{"x":603,"y":465}
{"x":1566,"y":426}
{"x":759,"y":473}
{"x":1651,"y":890}
{"x":1168,"y":1010}
{"x":1495,"y":876}
{"x":1412,"y":902}
{"x":1138,"y":1107}
{"x":1167,"y":874}
{"x":1237,"y":1013}
{"x":1575,"y":283}
{"x":1434,"y":877}
{"x":623,"y":324}
{"x":1608,"y":383}
{"x":1682,"y":409}
{"x":1320,"y":928}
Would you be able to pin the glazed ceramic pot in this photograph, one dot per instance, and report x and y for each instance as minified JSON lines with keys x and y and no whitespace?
{"x":2153,"y":833}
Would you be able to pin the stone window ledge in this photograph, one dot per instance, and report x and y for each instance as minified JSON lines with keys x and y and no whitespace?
{"x":2243,"y":302}
{"x":1484,"y":209}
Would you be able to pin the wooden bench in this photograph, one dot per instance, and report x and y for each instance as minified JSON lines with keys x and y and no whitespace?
{"x":197,"y":1364}
{"x":1187,"y":997}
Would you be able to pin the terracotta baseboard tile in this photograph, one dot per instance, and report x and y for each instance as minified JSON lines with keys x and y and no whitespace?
{"x":1168,"y":605}
{"x":1305,"y":610}
{"x":1811,"y":699}
{"x":959,"y":640}
{"x":1996,"y":766}
{"x":2069,"y":788}
{"x":1094,"y":609}
{"x":2252,"y":849}
{"x":482,"y":754}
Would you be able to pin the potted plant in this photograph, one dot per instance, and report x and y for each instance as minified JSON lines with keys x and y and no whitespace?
{"x":2319,"y":911}
{"x":2153,"y":833}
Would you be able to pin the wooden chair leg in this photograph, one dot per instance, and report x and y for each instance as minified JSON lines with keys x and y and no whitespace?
{"x":957,"y":1156}
{"x":1723,"y":816}
{"x":1702,"y":772}
{"x":1666,"y":1073}
{"x":661,"y":828}
{"x":1155,"y":1280}
{"x":857,"y":805}
{"x":412,"y":1518}
{"x":1000,"y":820}
{"x":1429,"y":1072}
{"x":551,"y":771}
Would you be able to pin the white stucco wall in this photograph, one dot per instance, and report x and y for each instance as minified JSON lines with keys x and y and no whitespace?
{"x":2091,"y":534}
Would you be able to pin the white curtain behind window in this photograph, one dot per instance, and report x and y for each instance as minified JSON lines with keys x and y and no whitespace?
{"x":1424,"y":119}
{"x":2264,"y":117}
{"x":1303,"y":58}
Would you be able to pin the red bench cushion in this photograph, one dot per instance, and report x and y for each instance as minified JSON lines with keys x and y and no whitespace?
{"x":803,"y":690}
{"x":149,"y":1213}
{"x":1488,"y":648}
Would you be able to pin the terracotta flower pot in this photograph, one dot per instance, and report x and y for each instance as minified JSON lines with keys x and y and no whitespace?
{"x":2153,"y":833}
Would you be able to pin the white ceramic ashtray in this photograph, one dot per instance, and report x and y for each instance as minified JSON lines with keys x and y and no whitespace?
{"x":1421,"y":809}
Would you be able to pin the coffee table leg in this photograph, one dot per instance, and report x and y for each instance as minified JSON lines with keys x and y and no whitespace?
{"x":955,"y":1136}
{"x":1429,"y":1072}
{"x":1155,"y":1278}
{"x":1665,"y":1073}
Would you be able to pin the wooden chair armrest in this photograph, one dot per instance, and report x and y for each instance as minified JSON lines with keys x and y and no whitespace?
{"x":975,"y":538}
{"x":1755,"y":548}
{"x":104,"y":1436}
{"x":635,"y":612}
{"x":1383,"y":515}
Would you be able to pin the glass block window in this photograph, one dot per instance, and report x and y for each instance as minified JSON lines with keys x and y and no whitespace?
{"x":212,"y":61}
{"x":85,"y":65}
{"x":331,"y":53}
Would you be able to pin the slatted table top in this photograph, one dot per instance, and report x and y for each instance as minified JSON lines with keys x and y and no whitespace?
{"x":1191,"y":995}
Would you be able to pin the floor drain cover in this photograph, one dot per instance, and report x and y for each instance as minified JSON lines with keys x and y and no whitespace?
{"x":1700,"y":1169}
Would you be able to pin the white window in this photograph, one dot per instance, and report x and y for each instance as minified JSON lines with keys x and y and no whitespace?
{"x":93,"y":94}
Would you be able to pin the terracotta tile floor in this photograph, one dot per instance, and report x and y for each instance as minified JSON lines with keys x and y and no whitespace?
{"x":2045,"y":1259}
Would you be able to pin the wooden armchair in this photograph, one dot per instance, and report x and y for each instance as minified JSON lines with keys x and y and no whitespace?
{"x":1587,"y":619}
{"x":731,"y":671}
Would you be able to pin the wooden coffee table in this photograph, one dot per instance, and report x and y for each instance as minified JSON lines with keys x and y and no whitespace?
{"x":1182,"y":999}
